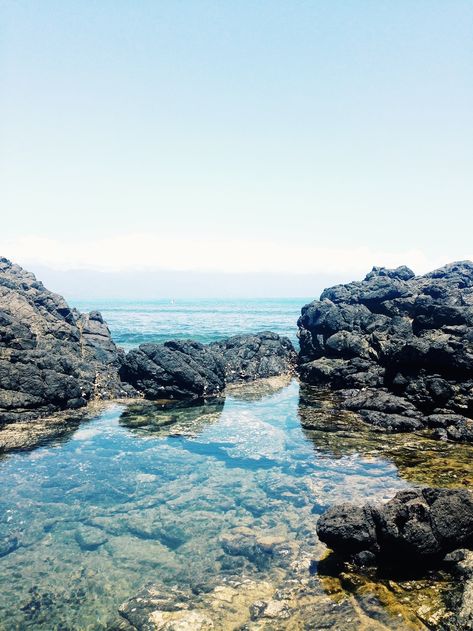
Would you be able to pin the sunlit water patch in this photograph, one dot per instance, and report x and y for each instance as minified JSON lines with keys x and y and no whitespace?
{"x":184,"y":496}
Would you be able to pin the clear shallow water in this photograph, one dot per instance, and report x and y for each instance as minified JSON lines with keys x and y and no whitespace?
{"x":193,"y":497}
{"x":136,"y":322}
{"x":142,"y":494}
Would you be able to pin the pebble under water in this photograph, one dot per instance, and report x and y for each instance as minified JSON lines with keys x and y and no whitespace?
{"x":190,"y":496}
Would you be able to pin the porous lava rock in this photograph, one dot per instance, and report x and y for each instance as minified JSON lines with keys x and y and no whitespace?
{"x":402,"y":341}
{"x":415,"y":526}
{"x":186,"y":369}
{"x":51,"y":356}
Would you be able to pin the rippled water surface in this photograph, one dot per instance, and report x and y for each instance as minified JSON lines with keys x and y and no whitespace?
{"x":141,"y":494}
{"x":225,"y":493}
{"x":136,"y":322}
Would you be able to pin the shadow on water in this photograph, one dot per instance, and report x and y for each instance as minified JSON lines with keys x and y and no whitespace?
{"x":148,"y":418}
{"x":31,"y":435}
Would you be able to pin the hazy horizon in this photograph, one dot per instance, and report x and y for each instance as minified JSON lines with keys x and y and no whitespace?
{"x":150,"y":285}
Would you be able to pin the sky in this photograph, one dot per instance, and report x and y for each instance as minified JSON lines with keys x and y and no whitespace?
{"x":251,"y":137}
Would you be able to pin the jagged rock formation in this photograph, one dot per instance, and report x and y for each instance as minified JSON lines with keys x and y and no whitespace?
{"x":399,"y":347}
{"x":51,"y":356}
{"x":54,"y":358}
{"x":258,"y":356}
{"x":174,"y":370}
{"x":415,"y":526}
{"x":190,"y":370}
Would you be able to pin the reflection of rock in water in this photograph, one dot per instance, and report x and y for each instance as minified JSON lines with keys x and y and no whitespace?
{"x":184,"y":419}
{"x":418,"y":458}
{"x":28,"y":435}
{"x":257,"y":390}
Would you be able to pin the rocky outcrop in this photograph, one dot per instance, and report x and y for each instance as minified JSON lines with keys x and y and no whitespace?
{"x":398,"y":346}
{"x":258,"y":356}
{"x":51,"y":357}
{"x":190,"y":370}
{"x":416,"y":526}
{"x":174,"y":370}
{"x":54,"y":358}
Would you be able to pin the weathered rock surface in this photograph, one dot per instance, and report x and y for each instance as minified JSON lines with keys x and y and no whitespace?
{"x":415,"y":526}
{"x":54,"y":358}
{"x":259,"y":356}
{"x":51,"y":357}
{"x":405,"y":341}
{"x":174,"y":370}
{"x":190,"y":370}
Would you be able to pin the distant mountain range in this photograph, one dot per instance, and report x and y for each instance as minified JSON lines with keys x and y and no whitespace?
{"x":155,"y":284}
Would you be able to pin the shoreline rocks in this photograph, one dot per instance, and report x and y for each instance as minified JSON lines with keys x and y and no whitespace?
{"x":414,"y":532}
{"x":398,"y":347}
{"x":187,"y":370}
{"x":51,"y":357}
{"x":54,"y":358}
{"x":416,"y":526}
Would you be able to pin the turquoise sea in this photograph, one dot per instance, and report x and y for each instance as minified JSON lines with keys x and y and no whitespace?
{"x":133,"y":323}
{"x":197,"y":497}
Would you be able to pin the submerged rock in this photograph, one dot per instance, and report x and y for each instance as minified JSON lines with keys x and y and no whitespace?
{"x":51,"y":356}
{"x":8,"y":544}
{"x":184,"y":370}
{"x":90,"y":538}
{"x":399,"y":339}
{"x":415,"y":526}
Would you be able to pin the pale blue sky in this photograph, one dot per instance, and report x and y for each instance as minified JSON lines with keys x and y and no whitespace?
{"x":299,"y":125}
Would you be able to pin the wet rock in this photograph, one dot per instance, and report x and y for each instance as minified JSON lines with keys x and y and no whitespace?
{"x":348,"y":529}
{"x":51,"y":356}
{"x":273,"y":609}
{"x":90,"y":538}
{"x":410,"y":337}
{"x":259,"y":549}
{"x":390,"y":422}
{"x":420,"y":524}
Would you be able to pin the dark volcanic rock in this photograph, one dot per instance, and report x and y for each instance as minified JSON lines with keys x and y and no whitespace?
{"x":174,"y":370}
{"x":51,"y":357}
{"x":258,"y":356}
{"x":415,"y":526}
{"x":190,"y":370}
{"x":408,"y":335}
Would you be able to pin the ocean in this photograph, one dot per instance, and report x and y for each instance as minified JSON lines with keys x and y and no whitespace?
{"x":135,"y":322}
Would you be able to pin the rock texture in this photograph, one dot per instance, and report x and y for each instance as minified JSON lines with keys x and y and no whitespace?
{"x":174,"y":370}
{"x":190,"y":370}
{"x":415,"y":526}
{"x":398,"y":346}
{"x":51,"y":356}
{"x":259,"y":356}
{"x":54,"y":358}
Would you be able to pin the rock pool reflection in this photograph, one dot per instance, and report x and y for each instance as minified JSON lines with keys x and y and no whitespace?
{"x":217,"y":500}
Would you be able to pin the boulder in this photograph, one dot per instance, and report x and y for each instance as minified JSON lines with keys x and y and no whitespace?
{"x":420,"y":525}
{"x":51,"y":356}
{"x":411,"y":336}
{"x":258,"y":356}
{"x":174,"y":370}
{"x":186,"y":370}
